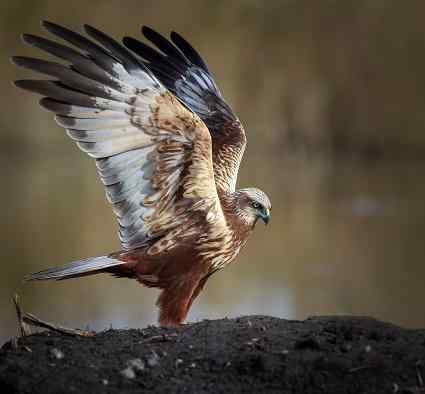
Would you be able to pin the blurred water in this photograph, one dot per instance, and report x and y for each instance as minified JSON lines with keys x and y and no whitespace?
{"x":347,"y":229}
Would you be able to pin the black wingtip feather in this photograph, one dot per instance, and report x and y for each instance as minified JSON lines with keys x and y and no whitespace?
{"x":117,"y":50}
{"x":25,"y":62}
{"x":49,"y":25}
{"x":155,"y":59}
{"x":25,"y":38}
{"x":141,"y":49}
{"x":30,"y":39}
{"x":93,"y":32}
{"x":35,"y":85}
{"x":21,"y":83}
{"x":188,"y":50}
{"x":164,"y":45}
{"x":48,"y":104}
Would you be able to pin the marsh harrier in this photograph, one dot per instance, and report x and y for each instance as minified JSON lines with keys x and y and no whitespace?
{"x":167,"y":149}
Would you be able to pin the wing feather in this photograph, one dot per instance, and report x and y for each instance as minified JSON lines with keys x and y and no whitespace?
{"x":153,"y":155}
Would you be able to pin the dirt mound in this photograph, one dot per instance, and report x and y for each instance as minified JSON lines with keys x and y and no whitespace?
{"x":249,"y":354}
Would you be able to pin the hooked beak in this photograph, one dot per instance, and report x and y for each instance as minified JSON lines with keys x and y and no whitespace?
{"x":265,"y":216}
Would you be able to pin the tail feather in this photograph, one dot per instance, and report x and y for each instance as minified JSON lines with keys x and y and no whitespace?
{"x":76,"y":269}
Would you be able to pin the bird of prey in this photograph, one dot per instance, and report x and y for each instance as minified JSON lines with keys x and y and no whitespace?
{"x":167,"y":149}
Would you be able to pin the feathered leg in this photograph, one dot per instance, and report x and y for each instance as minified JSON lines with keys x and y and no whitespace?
{"x":175,"y":300}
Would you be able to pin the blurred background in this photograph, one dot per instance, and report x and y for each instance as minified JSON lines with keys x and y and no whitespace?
{"x":332,"y":96}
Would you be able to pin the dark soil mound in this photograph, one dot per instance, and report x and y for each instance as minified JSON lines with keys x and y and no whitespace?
{"x":250,"y":354}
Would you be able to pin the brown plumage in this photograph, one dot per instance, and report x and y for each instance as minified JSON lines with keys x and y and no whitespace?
{"x":167,"y":149}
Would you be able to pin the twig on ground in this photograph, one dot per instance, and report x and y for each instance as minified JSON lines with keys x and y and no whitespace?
{"x":35,"y":321}
{"x":23,"y":327}
{"x":352,"y":370}
{"x":160,"y":338}
{"x":27,"y":319}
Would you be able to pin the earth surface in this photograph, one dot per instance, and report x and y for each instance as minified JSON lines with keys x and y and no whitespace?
{"x":251,"y":354}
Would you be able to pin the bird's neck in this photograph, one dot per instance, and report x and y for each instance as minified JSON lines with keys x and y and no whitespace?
{"x":235,"y":217}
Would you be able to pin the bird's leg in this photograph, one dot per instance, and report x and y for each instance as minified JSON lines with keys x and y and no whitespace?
{"x":198,"y":289}
{"x":176,"y":299}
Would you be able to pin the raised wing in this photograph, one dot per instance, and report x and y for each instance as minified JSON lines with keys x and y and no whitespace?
{"x":181,"y":69}
{"x":152,"y":154}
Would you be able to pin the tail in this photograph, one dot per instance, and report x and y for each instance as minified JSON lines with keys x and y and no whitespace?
{"x":90,"y":266}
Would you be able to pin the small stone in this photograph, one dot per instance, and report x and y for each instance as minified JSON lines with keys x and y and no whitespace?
{"x":128,"y":373}
{"x":178,"y":362}
{"x":193,"y":365}
{"x":105,"y":382}
{"x":137,"y":364}
{"x":153,"y":359}
{"x":58,"y":354}
{"x":368,"y":348}
{"x":252,"y":341}
{"x":132,"y":366}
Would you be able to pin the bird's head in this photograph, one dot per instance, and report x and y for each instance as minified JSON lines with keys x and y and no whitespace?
{"x":253,"y":205}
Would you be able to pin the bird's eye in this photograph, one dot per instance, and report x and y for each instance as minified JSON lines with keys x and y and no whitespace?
{"x":255,"y":204}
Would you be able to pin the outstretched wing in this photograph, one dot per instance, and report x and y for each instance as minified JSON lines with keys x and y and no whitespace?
{"x":181,"y":69}
{"x":152,"y":154}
